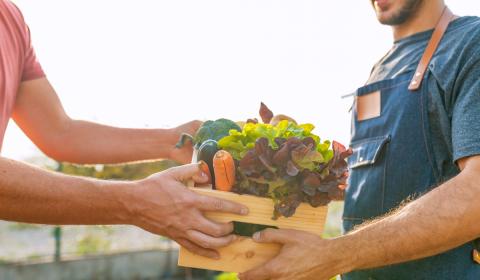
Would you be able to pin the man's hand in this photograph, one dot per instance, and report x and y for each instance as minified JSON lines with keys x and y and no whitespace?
{"x":184,"y":155}
{"x":424,"y":227}
{"x":303,"y":256}
{"x":160,"y":204}
{"x":163,"y":205}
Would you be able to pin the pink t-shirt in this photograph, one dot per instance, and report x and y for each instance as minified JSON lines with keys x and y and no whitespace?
{"x":18,"y":62}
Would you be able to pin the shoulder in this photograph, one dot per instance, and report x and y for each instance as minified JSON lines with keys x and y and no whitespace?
{"x":464,"y":35}
{"x":12,"y":9}
{"x":458,"y":52}
{"x":13,"y":16}
{"x":461,"y":39}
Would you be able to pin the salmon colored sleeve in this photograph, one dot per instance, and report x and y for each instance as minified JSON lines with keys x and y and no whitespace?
{"x":31,"y":66}
{"x":31,"y":69}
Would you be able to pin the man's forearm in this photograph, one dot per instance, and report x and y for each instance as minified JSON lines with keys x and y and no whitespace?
{"x":30,"y":194}
{"x":87,"y":142}
{"x":443,"y":219}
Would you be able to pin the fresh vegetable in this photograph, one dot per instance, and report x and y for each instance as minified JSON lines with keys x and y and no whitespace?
{"x":265,"y":113}
{"x":214,"y":130}
{"x":206,"y":152}
{"x":247,"y":230}
{"x":239,"y":143}
{"x":227,"y":276}
{"x":294,"y":172}
{"x":267,"y":116}
{"x":278,"y":118}
{"x":224,"y":169}
{"x":287,"y":163}
{"x":240,"y":124}
{"x":204,"y":167}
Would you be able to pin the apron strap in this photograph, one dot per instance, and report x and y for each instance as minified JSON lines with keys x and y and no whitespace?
{"x":476,"y":251}
{"x":437,"y":35}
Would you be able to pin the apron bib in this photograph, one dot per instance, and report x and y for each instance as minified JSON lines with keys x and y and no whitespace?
{"x":392,"y":163}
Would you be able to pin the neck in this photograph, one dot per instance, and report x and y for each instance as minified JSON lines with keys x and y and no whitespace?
{"x":425,"y":18}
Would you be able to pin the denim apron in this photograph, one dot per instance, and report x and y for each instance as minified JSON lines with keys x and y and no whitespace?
{"x":392,"y":163}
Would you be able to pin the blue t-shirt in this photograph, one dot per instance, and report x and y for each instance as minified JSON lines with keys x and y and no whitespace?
{"x":454,"y":88}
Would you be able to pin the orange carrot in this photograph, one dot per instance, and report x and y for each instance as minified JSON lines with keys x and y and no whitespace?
{"x":224,"y":169}
{"x":206,"y":170}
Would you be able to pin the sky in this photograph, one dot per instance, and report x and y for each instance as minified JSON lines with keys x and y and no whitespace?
{"x":159,"y":63}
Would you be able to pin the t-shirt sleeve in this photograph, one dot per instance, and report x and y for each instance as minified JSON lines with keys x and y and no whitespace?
{"x":466,"y":112}
{"x":31,"y":68}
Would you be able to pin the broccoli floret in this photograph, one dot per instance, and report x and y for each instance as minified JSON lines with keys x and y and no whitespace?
{"x":214,"y":130}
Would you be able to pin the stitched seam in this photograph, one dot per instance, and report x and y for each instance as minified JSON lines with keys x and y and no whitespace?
{"x":386,"y":139}
{"x":372,"y":139}
{"x":385,"y":88}
{"x":384,"y":179}
{"x":424,"y":110}
{"x":352,"y":219}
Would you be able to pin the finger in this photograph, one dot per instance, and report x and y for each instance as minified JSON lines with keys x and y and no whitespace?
{"x":190,"y":246}
{"x":204,"y":167}
{"x":212,"y":228}
{"x":207,"y":203}
{"x":209,"y":242}
{"x":187,"y":172}
{"x":275,"y":236}
{"x":259,"y":273}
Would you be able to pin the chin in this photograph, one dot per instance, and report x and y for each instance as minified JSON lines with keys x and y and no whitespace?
{"x":385,"y":18}
{"x":395,"y":12}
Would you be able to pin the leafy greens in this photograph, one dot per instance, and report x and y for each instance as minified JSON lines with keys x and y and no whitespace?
{"x":288,"y":163}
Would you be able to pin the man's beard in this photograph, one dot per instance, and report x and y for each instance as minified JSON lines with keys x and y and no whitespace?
{"x":406,"y":12}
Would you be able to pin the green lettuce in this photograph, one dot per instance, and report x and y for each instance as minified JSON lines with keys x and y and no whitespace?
{"x":288,"y":163}
{"x":238,"y":143}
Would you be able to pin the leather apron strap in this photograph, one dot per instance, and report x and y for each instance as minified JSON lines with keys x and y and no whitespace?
{"x":476,"y":251}
{"x":437,"y":35}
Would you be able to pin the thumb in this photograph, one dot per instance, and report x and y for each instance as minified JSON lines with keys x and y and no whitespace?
{"x":188,"y":172}
{"x":273,"y":236}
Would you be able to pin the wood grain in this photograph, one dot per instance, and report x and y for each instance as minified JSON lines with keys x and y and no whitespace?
{"x":245,"y":254}
{"x":306,"y":217}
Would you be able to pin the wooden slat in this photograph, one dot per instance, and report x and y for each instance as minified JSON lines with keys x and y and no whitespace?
{"x":240,"y":256}
{"x":306,"y":218}
{"x":245,"y":254}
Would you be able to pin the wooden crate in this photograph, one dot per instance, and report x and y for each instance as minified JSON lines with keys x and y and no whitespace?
{"x":244,"y":253}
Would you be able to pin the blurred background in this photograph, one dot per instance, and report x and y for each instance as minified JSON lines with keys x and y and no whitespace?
{"x":161,"y":63}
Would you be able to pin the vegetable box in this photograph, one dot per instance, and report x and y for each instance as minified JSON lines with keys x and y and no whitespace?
{"x":244,"y":253}
{"x":278,"y":168}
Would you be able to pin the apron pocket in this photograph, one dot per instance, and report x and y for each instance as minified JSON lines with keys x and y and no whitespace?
{"x":366,"y":184}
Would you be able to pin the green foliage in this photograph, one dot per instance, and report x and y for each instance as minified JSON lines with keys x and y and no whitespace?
{"x":238,"y":143}
{"x":287,"y":163}
{"x":130,"y":171}
{"x":91,"y":243}
{"x":109,"y":230}
{"x":227,"y":276}
{"x":333,"y":226}
{"x":34,"y":257}
{"x":23,"y":226}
